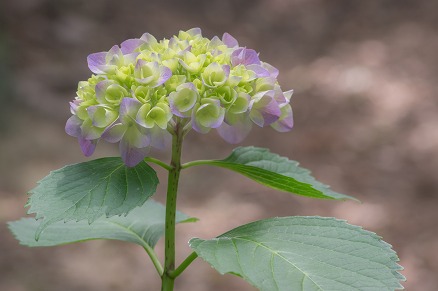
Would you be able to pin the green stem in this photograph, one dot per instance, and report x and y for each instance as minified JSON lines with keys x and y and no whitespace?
{"x":196,"y":163}
{"x":184,"y":265}
{"x":154,"y":259}
{"x":172,"y":188}
{"x":158,"y":162}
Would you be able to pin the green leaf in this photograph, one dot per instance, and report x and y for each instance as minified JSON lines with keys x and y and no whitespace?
{"x":274,"y":171}
{"x":87,"y":191}
{"x":303,"y":253}
{"x":143,"y":226}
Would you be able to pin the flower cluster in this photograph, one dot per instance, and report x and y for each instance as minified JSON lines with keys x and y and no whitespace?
{"x":143,"y":87}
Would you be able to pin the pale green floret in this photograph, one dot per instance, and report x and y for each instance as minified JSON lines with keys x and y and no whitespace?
{"x":124,"y":74}
{"x":174,"y":82}
{"x":89,"y":130}
{"x":227,"y":95}
{"x":86,"y":89}
{"x":184,"y":98}
{"x":146,"y":56}
{"x":142,"y":93}
{"x":115,"y":93}
{"x":199,"y":46}
{"x":199,"y":86}
{"x":244,"y":74}
{"x":214,"y":75}
{"x":208,"y":113}
{"x":264,"y":84}
{"x":145,"y":73}
{"x":103,"y":116}
{"x":240,"y":104}
{"x":115,"y":59}
{"x":159,"y":115}
{"x":186,"y":35}
{"x":246,"y":88}
{"x":171,"y":63}
{"x":193,"y":64}
{"x":221,"y":58}
{"x":81,"y":110}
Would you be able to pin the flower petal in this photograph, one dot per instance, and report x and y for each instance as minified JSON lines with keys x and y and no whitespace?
{"x":129,"y":45}
{"x":87,"y":146}
{"x":265,"y":110}
{"x":131,"y":156}
{"x":273,"y":71}
{"x":160,"y":139}
{"x":89,"y":131}
{"x":165,"y":74}
{"x":259,"y":70}
{"x":235,"y":133}
{"x":96,"y":61}
{"x":183,"y":99}
{"x":245,"y":57}
{"x":136,"y":138}
{"x":73,"y":126}
{"x":114,"y":133}
{"x":285,"y":122}
{"x":101,"y":116}
{"x":129,"y":107}
{"x":229,"y":40}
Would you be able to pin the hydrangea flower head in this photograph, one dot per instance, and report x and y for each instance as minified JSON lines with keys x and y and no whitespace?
{"x":141,"y":89}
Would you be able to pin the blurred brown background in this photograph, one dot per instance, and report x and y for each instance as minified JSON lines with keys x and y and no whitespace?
{"x":366,"y":112}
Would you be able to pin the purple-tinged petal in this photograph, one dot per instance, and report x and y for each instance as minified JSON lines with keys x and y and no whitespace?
{"x":265,"y":84}
{"x":183,"y":99}
{"x":210,"y":115}
{"x":114,"y":56}
{"x":245,"y":57}
{"x":89,"y":131}
{"x":198,"y":127}
{"x":101,"y":116}
{"x":101,"y":89}
{"x":87,"y":146}
{"x":73,"y":126}
{"x":129,"y":107}
{"x":226,"y":69}
{"x":286,"y":121}
{"x":149,"y":39}
{"x":96,"y":61}
{"x":264,"y":110}
{"x":288,"y":94}
{"x":259,"y":70}
{"x":273,"y":71}
{"x":229,"y":41}
{"x":160,"y":139}
{"x":213,"y":44}
{"x":131,"y":156}
{"x":130,"y":58}
{"x":195,"y":123}
{"x":144,"y":71}
{"x":194,"y":31}
{"x":136,"y":138}
{"x":279,"y":95}
{"x":74,"y":106}
{"x":165,"y":74}
{"x":114,"y":133}
{"x":235,"y":133}
{"x":130,"y":45}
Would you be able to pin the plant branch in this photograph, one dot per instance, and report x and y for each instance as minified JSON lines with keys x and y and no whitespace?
{"x":154,"y":259}
{"x":184,"y":265}
{"x":195,"y":163}
{"x":158,"y":162}
{"x":172,"y":188}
